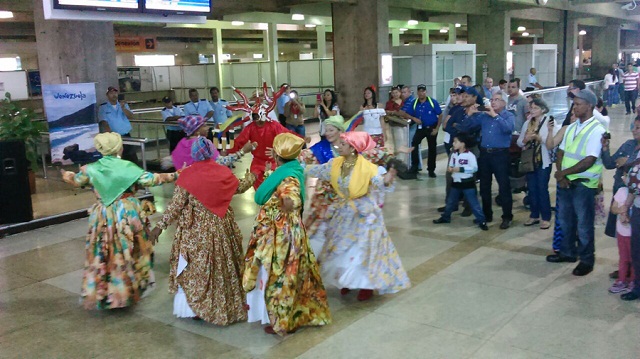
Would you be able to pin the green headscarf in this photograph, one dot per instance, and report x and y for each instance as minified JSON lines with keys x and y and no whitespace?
{"x":336,"y":121}
{"x":288,"y":169}
{"x":111,"y":177}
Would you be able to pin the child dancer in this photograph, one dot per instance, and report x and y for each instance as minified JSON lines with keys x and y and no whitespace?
{"x":462,"y":166}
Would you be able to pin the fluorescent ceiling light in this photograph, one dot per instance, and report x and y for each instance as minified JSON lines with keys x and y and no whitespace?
{"x":154,"y":60}
{"x":522,"y":28}
{"x":237,"y":23}
{"x":6,"y":15}
{"x":297,"y":17}
{"x":412,"y":22}
{"x":444,"y":30}
{"x":403,"y":29}
{"x":458,"y":24}
{"x":582,"y":32}
{"x":257,"y":56}
{"x":525,"y":34}
{"x":311,"y":26}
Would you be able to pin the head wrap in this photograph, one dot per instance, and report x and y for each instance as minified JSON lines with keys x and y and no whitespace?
{"x":190,"y":124}
{"x":360,"y":141}
{"x":108,"y":143}
{"x":336,"y":121}
{"x":203,"y":149}
{"x":287,"y":145}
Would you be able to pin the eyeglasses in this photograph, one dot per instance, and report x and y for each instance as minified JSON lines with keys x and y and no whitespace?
{"x":496,"y":99}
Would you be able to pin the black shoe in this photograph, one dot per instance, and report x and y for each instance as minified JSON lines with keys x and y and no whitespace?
{"x":488,"y":219}
{"x":441,"y":209}
{"x":483,"y":226}
{"x":559,"y":258}
{"x":432,"y":174}
{"x":506,"y":223}
{"x":613,"y":275}
{"x":630,"y":296}
{"x":582,"y":269}
{"x":440,"y":220}
{"x":466,"y":212}
{"x":628,"y":113}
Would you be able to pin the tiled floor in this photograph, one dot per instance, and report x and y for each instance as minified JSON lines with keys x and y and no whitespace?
{"x":475,"y":295}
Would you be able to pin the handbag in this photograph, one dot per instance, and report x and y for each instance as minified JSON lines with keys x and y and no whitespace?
{"x":531,"y":157}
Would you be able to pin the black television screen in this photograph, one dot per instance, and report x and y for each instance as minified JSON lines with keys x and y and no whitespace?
{"x":178,"y":6}
{"x":104,"y":5}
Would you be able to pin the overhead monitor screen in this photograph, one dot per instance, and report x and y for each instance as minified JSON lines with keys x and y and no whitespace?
{"x":178,"y":6}
{"x":117,"y":5}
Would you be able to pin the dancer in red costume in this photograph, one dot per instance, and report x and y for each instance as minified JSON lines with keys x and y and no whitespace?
{"x":261,"y":130}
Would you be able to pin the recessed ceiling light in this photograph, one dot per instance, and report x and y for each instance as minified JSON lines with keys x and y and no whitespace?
{"x":403,"y":29}
{"x":522,"y":28}
{"x":282,"y":53}
{"x":412,"y":22}
{"x":525,"y":34}
{"x":6,"y":15}
{"x":458,"y":24}
{"x":582,"y":32}
{"x":237,"y":23}
{"x":297,"y":17}
{"x":311,"y":26}
{"x":444,"y":30}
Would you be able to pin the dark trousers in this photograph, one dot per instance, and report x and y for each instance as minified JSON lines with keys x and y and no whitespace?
{"x":635,"y":246}
{"x":421,"y":134}
{"x":174,"y":137}
{"x":495,"y":163}
{"x":283,"y":120}
{"x":129,"y":151}
{"x":630,"y":98}
{"x":577,"y":215}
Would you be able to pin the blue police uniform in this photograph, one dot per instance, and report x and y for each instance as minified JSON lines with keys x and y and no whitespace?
{"x":202,"y":107}
{"x":115,"y":117}
{"x":220,"y":111}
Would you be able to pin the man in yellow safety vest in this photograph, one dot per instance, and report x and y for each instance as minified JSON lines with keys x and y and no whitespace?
{"x":579,"y":168}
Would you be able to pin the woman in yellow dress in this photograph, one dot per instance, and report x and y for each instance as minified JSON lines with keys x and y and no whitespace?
{"x":281,"y":273}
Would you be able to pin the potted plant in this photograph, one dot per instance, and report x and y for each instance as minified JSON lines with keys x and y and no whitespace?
{"x":17,"y":123}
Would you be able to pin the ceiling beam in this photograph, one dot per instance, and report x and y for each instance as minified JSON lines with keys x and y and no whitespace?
{"x":537,"y":14}
{"x":471,"y":7}
{"x":289,"y":3}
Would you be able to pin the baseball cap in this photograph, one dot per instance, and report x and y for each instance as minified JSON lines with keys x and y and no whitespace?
{"x":586,"y":95}
{"x":111,"y":88}
{"x":166,"y":99}
{"x":473,"y":92}
{"x":458,"y":89}
{"x":422,"y":87}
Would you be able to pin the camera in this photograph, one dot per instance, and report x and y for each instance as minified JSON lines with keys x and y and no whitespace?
{"x":606,"y":136}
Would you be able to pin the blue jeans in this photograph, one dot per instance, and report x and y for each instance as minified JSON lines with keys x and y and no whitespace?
{"x":297,"y":129}
{"x":495,"y":163}
{"x":577,"y":214}
{"x":630,"y":98}
{"x":538,"y":186}
{"x":471,"y":195}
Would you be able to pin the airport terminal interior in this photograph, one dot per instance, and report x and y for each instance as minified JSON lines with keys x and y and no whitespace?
{"x":473,"y":293}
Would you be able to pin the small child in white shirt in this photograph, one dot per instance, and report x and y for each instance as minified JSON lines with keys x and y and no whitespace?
{"x":462,"y":166}
{"x":626,"y":277}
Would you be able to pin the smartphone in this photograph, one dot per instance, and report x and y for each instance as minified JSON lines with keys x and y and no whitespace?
{"x":319,"y":97}
{"x":606,"y":135}
{"x":121,"y":97}
{"x":482,"y":108}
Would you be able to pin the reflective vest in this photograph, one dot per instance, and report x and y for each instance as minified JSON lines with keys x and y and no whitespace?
{"x":575,"y":150}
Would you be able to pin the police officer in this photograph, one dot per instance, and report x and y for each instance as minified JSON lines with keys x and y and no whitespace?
{"x":426,"y":113}
{"x":171,"y":114}
{"x":116,"y":113}
{"x":219,"y":106}
{"x":197,"y":106}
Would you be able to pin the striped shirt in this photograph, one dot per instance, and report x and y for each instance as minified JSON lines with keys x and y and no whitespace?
{"x":630,"y":81}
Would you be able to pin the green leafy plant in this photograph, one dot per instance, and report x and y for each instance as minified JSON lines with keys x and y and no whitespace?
{"x":17,"y":124}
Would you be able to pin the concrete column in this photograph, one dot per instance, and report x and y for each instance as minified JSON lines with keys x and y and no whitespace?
{"x":321,"y":33}
{"x":361,"y":33}
{"x":217,"y":43}
{"x":272,"y":51}
{"x":492,"y":36}
{"x":554,"y":34}
{"x":572,"y":45}
{"x":83,"y":50}
{"x":604,"y":49}
{"x":395,"y":37}
{"x":452,"y":34}
{"x":425,"y":36}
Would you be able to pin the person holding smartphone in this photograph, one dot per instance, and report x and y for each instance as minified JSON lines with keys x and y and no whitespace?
{"x":495,"y":124}
{"x":116,"y":113}
{"x":327,"y":106}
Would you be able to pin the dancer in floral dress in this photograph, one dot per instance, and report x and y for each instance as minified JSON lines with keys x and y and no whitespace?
{"x":117,"y":268}
{"x":358,"y":253}
{"x":281,"y":273}
{"x":206,"y":255}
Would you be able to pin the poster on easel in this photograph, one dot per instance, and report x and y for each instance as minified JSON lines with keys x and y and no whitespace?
{"x":71,"y":115}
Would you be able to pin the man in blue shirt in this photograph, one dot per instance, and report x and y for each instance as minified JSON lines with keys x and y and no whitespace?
{"x":282,"y":100}
{"x":116,"y":113}
{"x":426,"y":113}
{"x":171,"y":114}
{"x":198,"y":106}
{"x":407,"y":104}
{"x":495,"y":124}
{"x":219,"y":106}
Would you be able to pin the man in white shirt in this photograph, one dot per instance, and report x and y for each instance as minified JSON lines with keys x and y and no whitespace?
{"x":533,"y":81}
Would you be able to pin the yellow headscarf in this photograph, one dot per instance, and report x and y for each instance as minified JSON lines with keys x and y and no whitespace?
{"x":288,"y":145}
{"x":108,"y":144}
{"x":363,"y":170}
